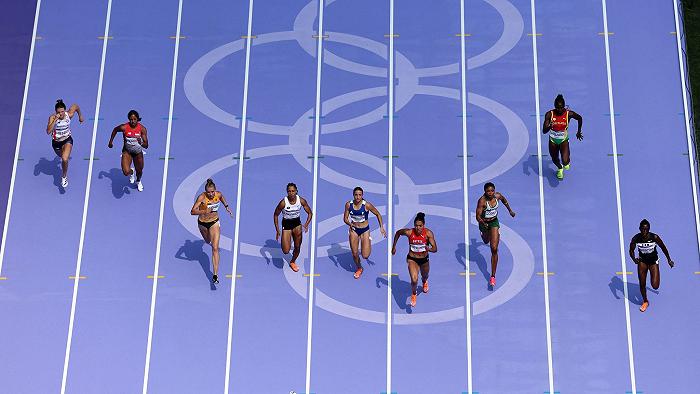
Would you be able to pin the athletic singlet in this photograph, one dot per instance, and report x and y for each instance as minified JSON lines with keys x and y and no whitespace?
{"x":291,"y":211}
{"x":560,"y":126}
{"x":418,"y":243}
{"x":647,"y":249}
{"x":213,"y":203}
{"x":132,"y":136}
{"x":490,"y":212}
{"x":61,"y":128}
{"x":358,"y":215}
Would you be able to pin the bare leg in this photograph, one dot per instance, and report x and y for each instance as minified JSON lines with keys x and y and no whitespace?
{"x":554,"y":154}
{"x":65,"y":156}
{"x":286,"y":241}
{"x":565,"y":153}
{"x":126,"y":164}
{"x":495,"y":239}
{"x":642,"y":275}
{"x":354,"y":248}
{"x":138,"y":165}
{"x":413,"y":269}
{"x":214,"y":234}
{"x":297,"y":236}
{"x":655,"y":276}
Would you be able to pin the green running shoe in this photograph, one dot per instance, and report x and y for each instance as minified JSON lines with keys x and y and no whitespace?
{"x":567,"y":167}
{"x":560,"y":174}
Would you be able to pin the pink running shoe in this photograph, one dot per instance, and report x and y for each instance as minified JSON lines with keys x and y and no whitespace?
{"x":492,"y":281}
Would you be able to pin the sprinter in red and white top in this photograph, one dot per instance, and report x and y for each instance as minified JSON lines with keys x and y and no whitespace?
{"x":135,"y":141}
{"x":556,"y":122}
{"x":61,"y":136}
{"x":420,"y":241}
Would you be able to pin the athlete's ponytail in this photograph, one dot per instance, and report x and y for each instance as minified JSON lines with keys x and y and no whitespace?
{"x":420,"y":217}
{"x":210,"y":183}
{"x":59,"y":104}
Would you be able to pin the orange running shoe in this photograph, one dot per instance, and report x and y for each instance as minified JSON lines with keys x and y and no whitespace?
{"x":294,"y":266}
{"x":358,"y":273}
{"x":425,"y":286}
{"x":644,"y":306}
{"x":413,"y":300}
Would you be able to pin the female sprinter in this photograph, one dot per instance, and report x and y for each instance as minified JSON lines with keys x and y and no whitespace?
{"x":135,"y":141}
{"x":60,"y":132}
{"x":557,"y":120}
{"x":207,"y":207}
{"x":487,"y":216}
{"x":648,"y":259}
{"x":420,"y":241}
{"x":355,"y":215}
{"x":290,"y":207}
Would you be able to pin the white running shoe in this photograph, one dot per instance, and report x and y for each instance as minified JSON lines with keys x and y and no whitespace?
{"x":132,"y":177}
{"x":64,"y":181}
{"x":139,"y":186}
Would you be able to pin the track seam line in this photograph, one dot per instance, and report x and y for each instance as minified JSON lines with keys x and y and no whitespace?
{"x":312,"y":256}
{"x":19,"y":136}
{"x":545,"y":261}
{"x":241,"y":153}
{"x":156,"y":267}
{"x":465,"y":187}
{"x":86,"y":203}
{"x":618,"y":198}
{"x":390,"y":194}
{"x":691,"y":156}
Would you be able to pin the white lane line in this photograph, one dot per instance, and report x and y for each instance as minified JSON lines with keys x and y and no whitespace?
{"x":317,"y":126}
{"x":390,"y":193}
{"x":19,"y":136}
{"x":545,"y":266}
{"x":688,"y":128}
{"x":239,"y":191}
{"x":156,"y":266}
{"x":465,"y":187}
{"x":86,"y":202}
{"x":619,"y":200}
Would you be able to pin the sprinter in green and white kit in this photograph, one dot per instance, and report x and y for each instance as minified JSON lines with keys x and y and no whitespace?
{"x":487,"y":216}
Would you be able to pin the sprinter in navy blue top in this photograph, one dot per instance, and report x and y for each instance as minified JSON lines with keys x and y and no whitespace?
{"x":356,"y":215}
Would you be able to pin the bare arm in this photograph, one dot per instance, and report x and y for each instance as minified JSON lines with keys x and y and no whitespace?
{"x":631,"y":251}
{"x":376,"y":213}
{"x":547,"y":122}
{"x":195,"y":208}
{"x":72,"y":111}
{"x":309,"y":214}
{"x":346,"y":214}
{"x":432,"y":242}
{"x":397,"y":235}
{"x":665,"y":250}
{"x":52,"y":121}
{"x":223,"y":201}
{"x":114,"y":134}
{"x":579,"y":119}
{"x":276,"y":215}
{"x":480,"y":210}
{"x":505,"y":202}
{"x":144,"y":138}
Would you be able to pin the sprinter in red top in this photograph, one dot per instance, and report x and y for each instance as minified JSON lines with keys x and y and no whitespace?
{"x":420,"y":241}
{"x":135,"y":141}
{"x":556,"y":122}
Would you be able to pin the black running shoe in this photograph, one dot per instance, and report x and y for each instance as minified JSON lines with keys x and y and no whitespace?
{"x":215,"y":279}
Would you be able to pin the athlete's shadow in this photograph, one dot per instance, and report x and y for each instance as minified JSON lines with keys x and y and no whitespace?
{"x":475,"y":256}
{"x":120,"y":183}
{"x":530,"y":166}
{"x":400,"y":289}
{"x":634,"y":294}
{"x":194,"y":251}
{"x":51,"y":168}
{"x":341,"y":257}
{"x":272,"y":253}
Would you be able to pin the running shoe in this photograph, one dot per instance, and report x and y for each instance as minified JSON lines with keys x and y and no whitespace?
{"x":215,"y":279}
{"x":294,"y":266}
{"x":139,"y":186}
{"x":64,"y":181}
{"x":567,"y":167}
{"x":425,"y":286}
{"x":132,"y":177}
{"x":358,"y":273}
{"x":644,"y":306}
{"x":560,"y":174}
{"x":492,"y":281}
{"x":413,"y":300}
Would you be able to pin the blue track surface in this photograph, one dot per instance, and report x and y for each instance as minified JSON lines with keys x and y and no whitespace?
{"x":506,"y":332}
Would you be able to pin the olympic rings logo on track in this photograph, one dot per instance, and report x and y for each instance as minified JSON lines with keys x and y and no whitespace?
{"x":299,"y":143}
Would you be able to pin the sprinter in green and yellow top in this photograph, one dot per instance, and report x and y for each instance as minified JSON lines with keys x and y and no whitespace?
{"x":556,"y":122}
